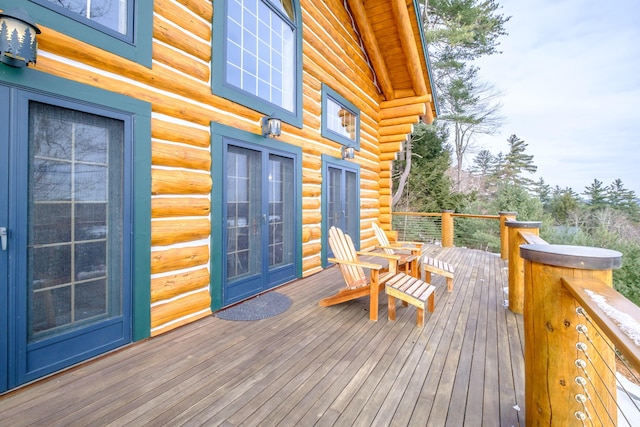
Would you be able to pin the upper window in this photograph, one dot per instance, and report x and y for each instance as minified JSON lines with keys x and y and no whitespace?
{"x":340,"y":119}
{"x":261,"y":42}
{"x":122,"y":27}
{"x":114,"y":15}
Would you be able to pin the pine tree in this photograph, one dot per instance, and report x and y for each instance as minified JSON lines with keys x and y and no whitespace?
{"x":596,"y":195}
{"x":516,"y":162}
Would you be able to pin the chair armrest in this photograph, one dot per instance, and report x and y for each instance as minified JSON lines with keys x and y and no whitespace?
{"x":362,"y":264}
{"x":379,"y":254}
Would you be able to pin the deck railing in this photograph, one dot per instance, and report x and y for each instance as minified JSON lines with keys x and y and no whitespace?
{"x":579,"y":332}
{"x":448,"y":229}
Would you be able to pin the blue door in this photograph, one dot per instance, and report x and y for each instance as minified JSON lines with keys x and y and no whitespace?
{"x":260,"y":221}
{"x":64,"y":265}
{"x":340,"y":202}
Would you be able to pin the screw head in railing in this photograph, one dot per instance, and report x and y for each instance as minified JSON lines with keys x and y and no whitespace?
{"x":581,"y":415}
{"x":581,"y":311}
{"x":581,"y":363}
{"x":581,"y":346}
{"x":582,"y":329}
{"x":581,"y":398}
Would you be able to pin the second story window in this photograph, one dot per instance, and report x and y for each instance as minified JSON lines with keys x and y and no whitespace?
{"x":262,"y":46}
{"x":261,"y":50}
{"x":340,"y":119}
{"x":112,"y":14}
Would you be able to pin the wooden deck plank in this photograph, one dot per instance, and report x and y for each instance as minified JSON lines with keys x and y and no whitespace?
{"x":310,"y":365}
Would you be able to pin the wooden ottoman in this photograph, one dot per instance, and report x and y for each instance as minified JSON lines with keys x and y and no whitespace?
{"x":410,"y":290}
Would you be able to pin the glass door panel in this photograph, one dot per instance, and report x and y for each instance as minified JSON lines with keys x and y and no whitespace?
{"x":74,"y":221}
{"x":281,"y":212}
{"x":244,"y":213}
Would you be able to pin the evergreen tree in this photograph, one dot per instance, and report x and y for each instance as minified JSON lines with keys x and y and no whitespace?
{"x":623,"y":200}
{"x":596,"y":195}
{"x":516,"y":162}
{"x":564,"y":203}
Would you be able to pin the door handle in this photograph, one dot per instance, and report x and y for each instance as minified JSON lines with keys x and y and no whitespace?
{"x":3,"y":237}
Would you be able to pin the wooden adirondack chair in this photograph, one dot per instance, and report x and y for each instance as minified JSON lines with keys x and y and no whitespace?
{"x":352,"y":269}
{"x":409,"y":252}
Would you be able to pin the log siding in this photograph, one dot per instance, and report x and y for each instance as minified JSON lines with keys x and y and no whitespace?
{"x":177,"y":85}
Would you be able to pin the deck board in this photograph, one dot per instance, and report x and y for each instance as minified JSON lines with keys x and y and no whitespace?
{"x":311,"y":365}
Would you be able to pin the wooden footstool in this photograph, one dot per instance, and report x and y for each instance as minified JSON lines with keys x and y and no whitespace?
{"x":432,"y":265}
{"x":410,"y":291}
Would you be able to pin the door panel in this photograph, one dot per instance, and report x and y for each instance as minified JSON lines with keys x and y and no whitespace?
{"x":4,"y":252}
{"x":341,"y":203}
{"x":69,"y":290}
{"x":260,"y":221}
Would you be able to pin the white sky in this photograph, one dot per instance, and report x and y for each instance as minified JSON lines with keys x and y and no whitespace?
{"x":570,"y":78}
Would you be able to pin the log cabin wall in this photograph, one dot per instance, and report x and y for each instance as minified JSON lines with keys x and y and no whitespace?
{"x":178,"y":87}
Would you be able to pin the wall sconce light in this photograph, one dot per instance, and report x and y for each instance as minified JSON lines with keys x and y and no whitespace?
{"x":348,"y":153}
{"x":271,"y":126}
{"x":18,"y":43}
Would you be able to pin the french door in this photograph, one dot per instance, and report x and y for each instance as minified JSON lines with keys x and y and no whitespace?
{"x":259,"y":214}
{"x":341,"y":201}
{"x":64,"y":288}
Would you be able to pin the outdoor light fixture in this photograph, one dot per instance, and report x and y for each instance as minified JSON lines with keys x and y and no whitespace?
{"x":348,"y":153}
{"x":271,"y":126}
{"x":18,"y":43}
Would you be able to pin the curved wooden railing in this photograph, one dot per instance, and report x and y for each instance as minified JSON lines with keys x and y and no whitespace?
{"x":572,"y":319}
{"x":573,"y":331}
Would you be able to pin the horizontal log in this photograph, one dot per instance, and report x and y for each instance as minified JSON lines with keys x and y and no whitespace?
{"x":179,"y":206}
{"x":313,"y":217}
{"x":311,"y":249}
{"x":170,"y":232}
{"x":310,"y":233}
{"x":404,"y":120}
{"x":406,"y":128}
{"x":183,"y":19}
{"x":411,"y":110}
{"x":174,"y":132}
{"x":175,"y":309}
{"x":311,"y":265}
{"x":180,"y":156}
{"x":310,"y":177}
{"x":184,"y":321}
{"x":178,"y":259}
{"x":311,"y":162}
{"x":405,"y":101}
{"x":311,"y":190}
{"x":310,"y":204}
{"x":387,"y":157}
{"x":202,"y":8}
{"x":178,"y":60}
{"x":182,"y":40}
{"x":168,"y":182}
{"x":167,"y":287}
{"x":390,"y":147}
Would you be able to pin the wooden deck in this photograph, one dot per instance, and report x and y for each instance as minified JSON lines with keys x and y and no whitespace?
{"x":309,"y":365}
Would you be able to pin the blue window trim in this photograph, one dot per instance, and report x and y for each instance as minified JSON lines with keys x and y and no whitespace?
{"x":219,"y":133}
{"x":328,"y":93}
{"x":219,"y":85}
{"x":31,"y":79}
{"x":135,"y":46}
{"x":327,"y":162}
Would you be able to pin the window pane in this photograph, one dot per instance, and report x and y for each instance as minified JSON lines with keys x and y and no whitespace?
{"x":110,"y":13}
{"x":340,"y":120}
{"x":266,"y":48}
{"x":75,"y":218}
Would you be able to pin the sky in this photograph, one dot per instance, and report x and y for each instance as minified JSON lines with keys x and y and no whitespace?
{"x":569,"y":74}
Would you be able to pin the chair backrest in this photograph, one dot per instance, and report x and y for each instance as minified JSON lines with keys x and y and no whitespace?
{"x":343,"y":249}
{"x":382,"y":239}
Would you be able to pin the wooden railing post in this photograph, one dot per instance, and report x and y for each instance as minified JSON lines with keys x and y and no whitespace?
{"x":516,"y":263}
{"x":504,"y":233}
{"x":447,"y":229}
{"x":550,"y":321}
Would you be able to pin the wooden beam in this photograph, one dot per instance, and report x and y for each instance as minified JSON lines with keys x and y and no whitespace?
{"x":409,"y":46}
{"x":371,"y":45}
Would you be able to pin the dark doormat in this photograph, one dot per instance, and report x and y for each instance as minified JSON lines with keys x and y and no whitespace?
{"x":261,"y":307}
